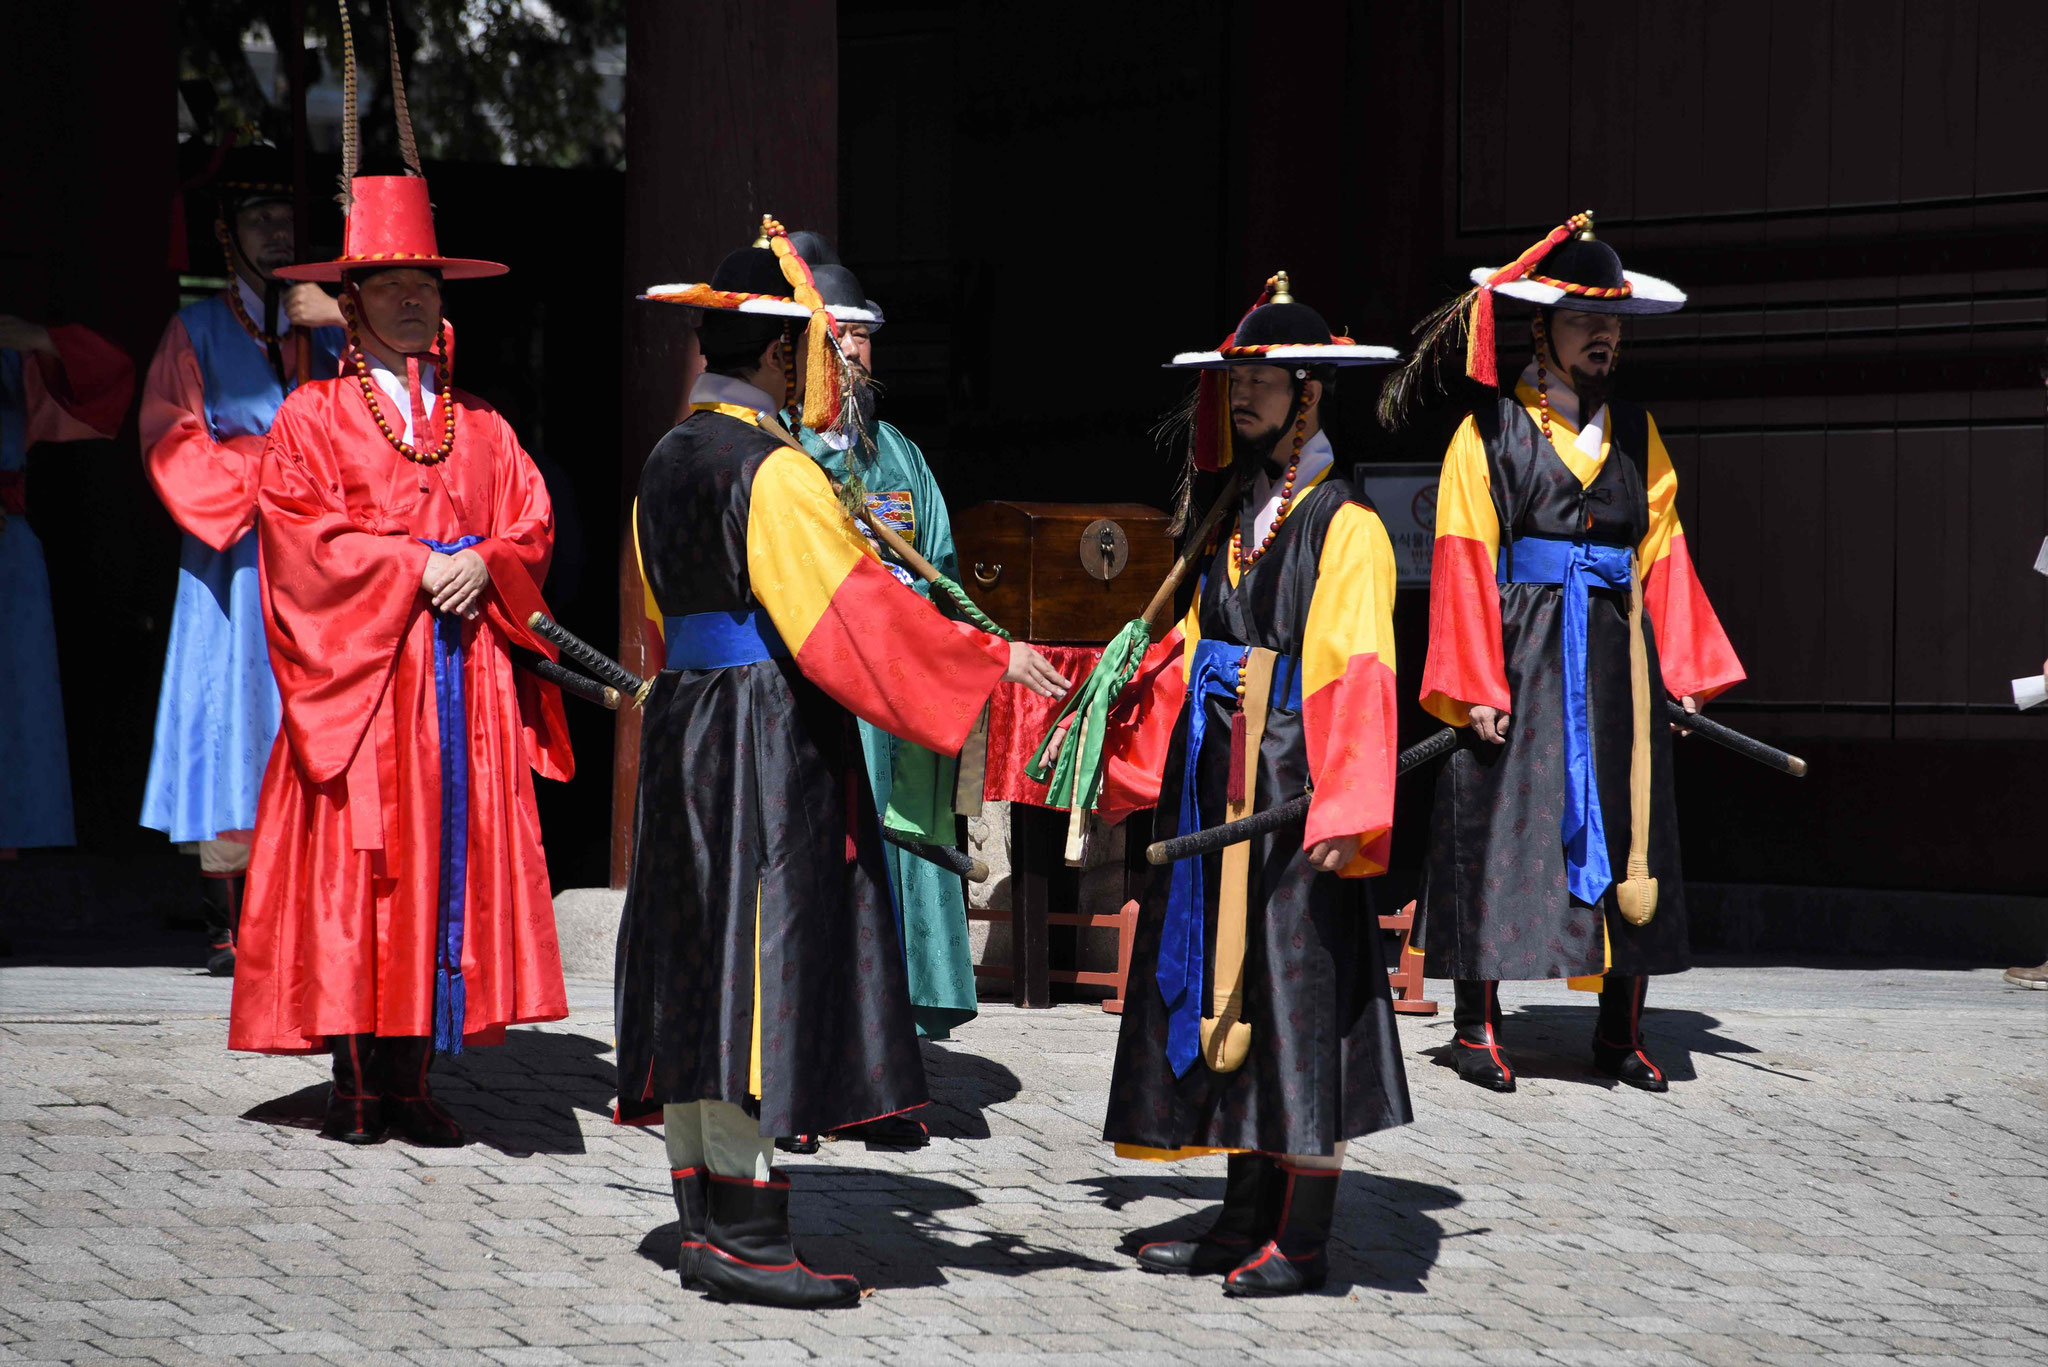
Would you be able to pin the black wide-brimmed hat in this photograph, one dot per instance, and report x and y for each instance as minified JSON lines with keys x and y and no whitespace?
{"x":844,"y":298}
{"x":1583,"y":273}
{"x":756,"y":280}
{"x":1278,"y":330}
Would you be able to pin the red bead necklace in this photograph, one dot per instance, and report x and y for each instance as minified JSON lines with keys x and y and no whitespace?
{"x":443,"y":366}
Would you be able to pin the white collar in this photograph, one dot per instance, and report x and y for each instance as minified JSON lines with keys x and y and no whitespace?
{"x":393,"y":385}
{"x":712,"y":388}
{"x":1564,"y":403}
{"x":252,"y":304}
{"x":1316,"y":457}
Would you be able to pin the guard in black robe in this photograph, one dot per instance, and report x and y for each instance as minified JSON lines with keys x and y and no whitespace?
{"x":1563,"y":600}
{"x":760,"y":984}
{"x":1294,"y":612}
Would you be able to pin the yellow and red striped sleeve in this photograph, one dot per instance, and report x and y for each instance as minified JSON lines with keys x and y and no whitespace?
{"x":1140,"y":726}
{"x":1466,"y":665}
{"x":1347,"y":686}
{"x":876,"y":647}
{"x":1692,"y":649}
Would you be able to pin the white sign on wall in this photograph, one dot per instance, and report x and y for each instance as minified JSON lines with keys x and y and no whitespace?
{"x":1406,"y":498}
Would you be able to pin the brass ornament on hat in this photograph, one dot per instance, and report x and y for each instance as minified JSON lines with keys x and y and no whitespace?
{"x":1280,"y":293}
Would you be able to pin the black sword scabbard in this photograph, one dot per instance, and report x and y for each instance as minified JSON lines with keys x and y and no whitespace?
{"x":603,"y":666}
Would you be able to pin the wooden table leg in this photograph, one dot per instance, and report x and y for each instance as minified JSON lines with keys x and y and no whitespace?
{"x":1035,"y":844}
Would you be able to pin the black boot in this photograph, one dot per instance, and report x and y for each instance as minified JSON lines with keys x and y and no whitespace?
{"x":690,"y":1184}
{"x":402,"y":1062}
{"x":223,"y":897}
{"x":355,"y":1113}
{"x":891,"y":1131}
{"x":1476,"y":1046}
{"x":747,"y":1254}
{"x":1252,"y":1187}
{"x":798,"y":1143}
{"x":1618,"y":1037}
{"x":1295,"y":1259}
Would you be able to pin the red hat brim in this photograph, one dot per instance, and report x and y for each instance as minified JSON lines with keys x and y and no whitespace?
{"x":451,"y":267}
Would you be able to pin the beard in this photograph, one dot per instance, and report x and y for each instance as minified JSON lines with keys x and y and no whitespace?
{"x":1258,"y":446}
{"x":1594,"y":387}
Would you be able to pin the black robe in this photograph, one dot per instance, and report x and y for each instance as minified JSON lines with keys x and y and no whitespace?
{"x":1494,"y":902}
{"x":753,"y":801}
{"x":1325,"y":1060}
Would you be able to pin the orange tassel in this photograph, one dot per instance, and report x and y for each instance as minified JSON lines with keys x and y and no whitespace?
{"x":1479,"y":347}
{"x":822,"y":399}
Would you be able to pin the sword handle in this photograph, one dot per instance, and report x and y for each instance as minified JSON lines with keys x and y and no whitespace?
{"x":566,"y":679}
{"x":583,"y":653}
{"x":1747,"y":746}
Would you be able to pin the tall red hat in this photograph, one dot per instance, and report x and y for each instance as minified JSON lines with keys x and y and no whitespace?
{"x":390,"y":223}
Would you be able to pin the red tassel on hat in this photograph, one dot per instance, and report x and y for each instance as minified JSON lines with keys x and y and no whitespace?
{"x":1479,"y":343}
{"x":1212,"y":406}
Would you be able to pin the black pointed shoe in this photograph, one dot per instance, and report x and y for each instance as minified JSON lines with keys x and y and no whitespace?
{"x":1475,"y":1047}
{"x":798,"y":1143}
{"x":890,"y":1131}
{"x":355,"y":1113}
{"x":748,"y":1256}
{"x":1631,"y":1066}
{"x":409,"y":1105}
{"x":691,"y":1186}
{"x":1296,"y":1258}
{"x":1251,"y":1190}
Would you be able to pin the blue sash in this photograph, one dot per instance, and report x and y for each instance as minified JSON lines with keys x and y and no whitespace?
{"x":721,"y":640}
{"x":451,"y":716}
{"x":1576,"y":567}
{"x":1213,"y":671}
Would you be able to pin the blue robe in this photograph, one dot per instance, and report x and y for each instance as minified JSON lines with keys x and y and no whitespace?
{"x":35,"y":774}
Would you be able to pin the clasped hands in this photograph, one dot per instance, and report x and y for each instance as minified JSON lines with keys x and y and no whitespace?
{"x":456,"y":583}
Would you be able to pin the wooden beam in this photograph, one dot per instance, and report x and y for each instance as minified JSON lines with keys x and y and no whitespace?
{"x":731,"y":112}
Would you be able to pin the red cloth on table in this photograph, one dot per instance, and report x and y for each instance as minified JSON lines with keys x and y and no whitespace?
{"x":1017,"y":721}
{"x":339,"y":925}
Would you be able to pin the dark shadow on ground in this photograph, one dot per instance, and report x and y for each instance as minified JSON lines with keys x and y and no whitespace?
{"x":520,"y":1098}
{"x":963,"y":1085}
{"x":1382,"y":1238}
{"x":66,"y":907}
{"x":1556,"y":1043}
{"x":890,"y":1229}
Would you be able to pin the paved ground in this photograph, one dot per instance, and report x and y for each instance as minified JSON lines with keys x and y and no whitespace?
{"x":1852,"y":1169}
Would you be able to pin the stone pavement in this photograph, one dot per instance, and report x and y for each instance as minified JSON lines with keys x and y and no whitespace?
{"x":1851,"y":1169}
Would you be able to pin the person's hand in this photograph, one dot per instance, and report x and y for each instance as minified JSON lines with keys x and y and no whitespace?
{"x":1328,"y":856}
{"x":1491,"y":723}
{"x":1690,"y":704}
{"x":19,"y":334}
{"x":1035,"y":672}
{"x":456,"y":583}
{"x":309,"y":306}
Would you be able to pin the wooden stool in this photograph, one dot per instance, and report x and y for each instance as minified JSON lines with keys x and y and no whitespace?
{"x":1036,"y":836}
{"x":1405,"y":977}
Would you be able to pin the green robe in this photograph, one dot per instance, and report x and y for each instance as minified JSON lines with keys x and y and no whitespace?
{"x":913,"y":787}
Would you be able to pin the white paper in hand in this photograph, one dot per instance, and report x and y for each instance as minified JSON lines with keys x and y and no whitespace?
{"x":2028,"y":693}
{"x":2041,"y":560}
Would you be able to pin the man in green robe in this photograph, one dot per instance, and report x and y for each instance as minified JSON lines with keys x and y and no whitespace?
{"x":913,"y":787}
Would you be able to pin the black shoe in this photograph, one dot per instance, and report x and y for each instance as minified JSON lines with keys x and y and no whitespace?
{"x":1296,"y":1258}
{"x":891,"y":1131}
{"x":223,"y":899}
{"x":1475,"y":1048}
{"x":747,"y":1255}
{"x":1631,"y":1066}
{"x":355,"y":1113}
{"x":690,"y":1184}
{"x":1618,"y":1037}
{"x":1251,"y":1191}
{"x":409,"y":1106}
{"x":798,"y":1143}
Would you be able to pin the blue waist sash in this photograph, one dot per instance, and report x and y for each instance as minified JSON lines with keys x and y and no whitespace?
{"x":721,"y":640}
{"x":1576,"y":567}
{"x":1214,"y":670}
{"x":451,"y":717}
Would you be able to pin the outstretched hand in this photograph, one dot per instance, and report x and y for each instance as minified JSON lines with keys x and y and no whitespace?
{"x":1035,"y":672}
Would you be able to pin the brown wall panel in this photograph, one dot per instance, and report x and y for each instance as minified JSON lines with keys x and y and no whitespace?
{"x":1670,"y":112}
{"x":1861,"y":491}
{"x":1799,"y":56}
{"x":1789,"y":652}
{"x":2007,"y":601}
{"x":1732,"y":160}
{"x":1730,"y":484}
{"x":1932,"y":518}
{"x":1603,"y":124}
{"x":1863,"y":119}
{"x":1539,"y":113}
{"x":2012,"y":75}
{"x":1482,"y":134}
{"x":1938,"y":105}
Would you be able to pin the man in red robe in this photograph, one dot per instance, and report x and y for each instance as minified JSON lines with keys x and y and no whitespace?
{"x":398,"y":898}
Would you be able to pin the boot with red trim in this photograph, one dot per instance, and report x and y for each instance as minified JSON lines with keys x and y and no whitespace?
{"x":1252,"y":1187}
{"x":890,"y":1131}
{"x":1618,"y":1037}
{"x":748,"y":1256}
{"x":1296,"y":1258}
{"x":222,"y":894}
{"x":409,"y":1105}
{"x":798,"y":1143}
{"x":355,"y":1113}
{"x":692,"y":1191}
{"x":1475,"y":1048}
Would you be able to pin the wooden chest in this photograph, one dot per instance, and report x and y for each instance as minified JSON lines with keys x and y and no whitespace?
{"x":1062,"y":573}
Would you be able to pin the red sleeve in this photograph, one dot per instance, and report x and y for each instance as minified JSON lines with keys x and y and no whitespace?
{"x":81,"y":393}
{"x":1466,"y":664}
{"x":1347,"y":669}
{"x":339,"y":598}
{"x":1693,"y":652}
{"x":208,"y":486}
{"x":517,"y":552}
{"x":883,"y":653}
